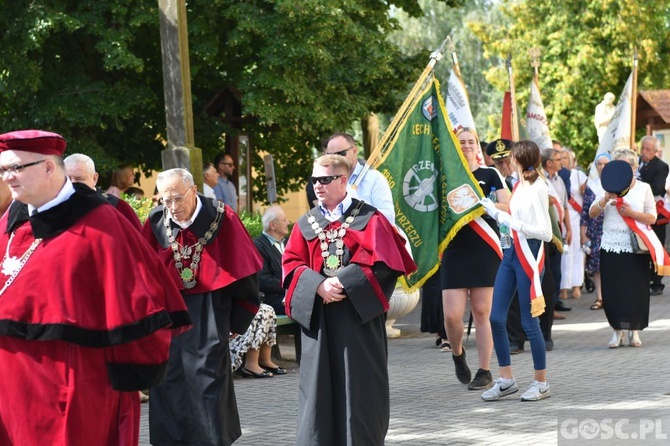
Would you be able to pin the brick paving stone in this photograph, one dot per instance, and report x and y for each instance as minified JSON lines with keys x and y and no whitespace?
{"x":430,"y":407}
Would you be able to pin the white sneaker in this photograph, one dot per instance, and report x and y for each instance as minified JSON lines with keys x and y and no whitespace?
{"x":500,"y":389}
{"x":537,"y":391}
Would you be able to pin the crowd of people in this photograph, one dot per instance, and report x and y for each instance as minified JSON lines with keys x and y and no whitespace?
{"x":188,"y":315}
{"x":589,"y":233}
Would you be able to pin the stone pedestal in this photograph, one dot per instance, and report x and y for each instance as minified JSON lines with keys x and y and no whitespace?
{"x":401,"y":304}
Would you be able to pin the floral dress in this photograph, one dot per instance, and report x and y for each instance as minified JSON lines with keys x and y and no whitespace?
{"x":594,"y":231}
{"x":263,"y":330}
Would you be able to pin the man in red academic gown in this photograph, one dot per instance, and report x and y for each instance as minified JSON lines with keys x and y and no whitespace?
{"x":85,"y":317}
{"x":80,"y":168}
{"x":212,"y":259}
{"x":340,"y":267}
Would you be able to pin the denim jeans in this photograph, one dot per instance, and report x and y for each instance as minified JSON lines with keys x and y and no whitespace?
{"x":510,"y":277}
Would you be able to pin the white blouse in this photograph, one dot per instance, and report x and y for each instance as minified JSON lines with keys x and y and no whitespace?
{"x":530,"y":205}
{"x":616,"y":233}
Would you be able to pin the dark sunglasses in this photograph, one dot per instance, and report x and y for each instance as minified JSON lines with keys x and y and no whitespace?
{"x":325,"y":180}
{"x":341,"y":152}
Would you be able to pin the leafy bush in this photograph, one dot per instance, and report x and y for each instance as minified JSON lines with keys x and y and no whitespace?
{"x":141,"y":206}
{"x":252,"y":221}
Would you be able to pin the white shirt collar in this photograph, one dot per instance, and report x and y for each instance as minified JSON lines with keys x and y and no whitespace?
{"x":66,"y":192}
{"x":189,"y":222}
{"x":338,"y":211}
{"x":355,"y":173}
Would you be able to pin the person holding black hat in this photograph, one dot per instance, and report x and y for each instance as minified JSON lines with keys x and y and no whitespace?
{"x":80,"y":332}
{"x":629,"y":207}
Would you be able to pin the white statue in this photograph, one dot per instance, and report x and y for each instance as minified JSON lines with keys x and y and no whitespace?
{"x":604,"y":113}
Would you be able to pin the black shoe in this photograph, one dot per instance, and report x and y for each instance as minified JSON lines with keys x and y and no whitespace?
{"x":549,"y":345}
{"x":249,"y":374}
{"x":275,"y":370}
{"x":515,"y":350}
{"x":656,"y":291}
{"x":560,"y":306}
{"x":483,"y":380}
{"x":462,"y":370}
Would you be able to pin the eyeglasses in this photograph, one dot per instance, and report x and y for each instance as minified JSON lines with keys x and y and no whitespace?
{"x":325,"y":180}
{"x":177,"y":199}
{"x":341,"y":152}
{"x":16,"y":168}
{"x":226,"y":164}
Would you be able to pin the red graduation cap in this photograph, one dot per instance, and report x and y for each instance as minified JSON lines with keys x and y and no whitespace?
{"x":36,"y":141}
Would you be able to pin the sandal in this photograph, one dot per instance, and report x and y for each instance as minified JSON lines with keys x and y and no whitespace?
{"x":446,"y":347}
{"x":597,"y":305}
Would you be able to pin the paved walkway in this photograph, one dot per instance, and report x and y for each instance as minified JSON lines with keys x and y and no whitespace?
{"x":593,"y":389}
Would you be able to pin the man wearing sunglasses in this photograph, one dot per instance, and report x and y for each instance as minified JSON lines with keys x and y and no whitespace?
{"x":225,"y":189}
{"x":373,"y":188}
{"x":340,"y":267}
{"x":86,"y":316}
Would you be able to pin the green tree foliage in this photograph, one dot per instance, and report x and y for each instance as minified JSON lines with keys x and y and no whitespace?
{"x":421,"y":34}
{"x":88,"y":70}
{"x":587,"y":49}
{"x":304,"y":68}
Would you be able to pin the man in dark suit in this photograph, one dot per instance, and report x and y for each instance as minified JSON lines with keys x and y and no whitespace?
{"x":271,"y":246}
{"x":653,"y":171}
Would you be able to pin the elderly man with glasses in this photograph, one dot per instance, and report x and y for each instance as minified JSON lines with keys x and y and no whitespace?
{"x":213,"y":261}
{"x":340,"y":267}
{"x":85,"y":316}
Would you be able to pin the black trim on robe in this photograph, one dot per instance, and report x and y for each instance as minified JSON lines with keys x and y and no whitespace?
{"x":59,"y":218}
{"x":94,"y":338}
{"x":133,"y":377}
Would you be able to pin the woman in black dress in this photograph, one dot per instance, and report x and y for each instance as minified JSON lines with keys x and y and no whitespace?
{"x":469,"y":266}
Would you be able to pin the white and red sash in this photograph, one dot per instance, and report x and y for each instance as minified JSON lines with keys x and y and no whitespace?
{"x":663,"y":211}
{"x":487,"y":234}
{"x":532,"y":265}
{"x":575,"y":204}
{"x":658,"y":254}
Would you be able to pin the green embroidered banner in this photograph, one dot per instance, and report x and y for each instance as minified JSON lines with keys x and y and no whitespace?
{"x":433,"y":189}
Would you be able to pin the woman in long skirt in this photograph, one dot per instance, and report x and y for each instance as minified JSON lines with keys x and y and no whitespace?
{"x":624,"y":274}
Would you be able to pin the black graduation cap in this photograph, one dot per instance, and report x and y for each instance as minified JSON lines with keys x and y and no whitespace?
{"x":616,"y":177}
{"x":500,"y":148}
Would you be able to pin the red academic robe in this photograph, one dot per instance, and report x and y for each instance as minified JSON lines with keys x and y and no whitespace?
{"x":86,"y":323}
{"x":196,"y":403}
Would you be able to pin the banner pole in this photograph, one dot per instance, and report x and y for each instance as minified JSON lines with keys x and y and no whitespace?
{"x":374,"y":158}
{"x":512,"y":93}
{"x":633,"y":103}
